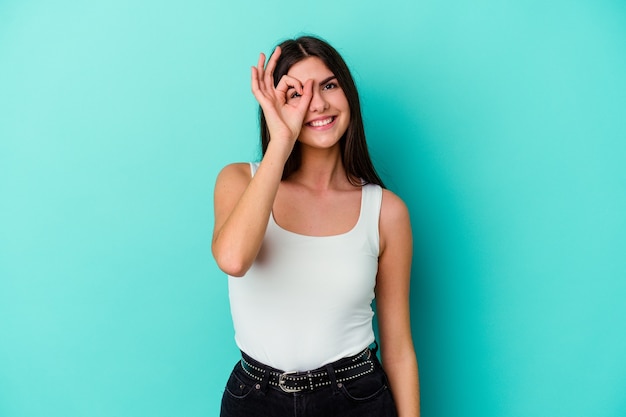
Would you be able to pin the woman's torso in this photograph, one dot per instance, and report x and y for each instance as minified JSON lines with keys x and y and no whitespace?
{"x":306,"y":300}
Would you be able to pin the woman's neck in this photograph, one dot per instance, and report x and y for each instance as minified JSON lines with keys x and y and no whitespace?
{"x":321,"y":169}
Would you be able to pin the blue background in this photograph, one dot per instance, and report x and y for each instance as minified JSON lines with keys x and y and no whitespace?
{"x":502,"y":124}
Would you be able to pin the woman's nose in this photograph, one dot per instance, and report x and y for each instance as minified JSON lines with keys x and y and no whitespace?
{"x":318,"y":103}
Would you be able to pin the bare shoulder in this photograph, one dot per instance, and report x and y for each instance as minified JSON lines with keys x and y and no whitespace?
{"x":230,"y":184}
{"x":393,"y":209}
{"x":394,"y":223}
{"x":236,"y":172}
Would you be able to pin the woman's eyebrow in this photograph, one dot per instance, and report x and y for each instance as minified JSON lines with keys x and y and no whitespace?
{"x":325,"y":80}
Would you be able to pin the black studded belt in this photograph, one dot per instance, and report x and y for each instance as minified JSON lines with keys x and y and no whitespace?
{"x":343,"y":370}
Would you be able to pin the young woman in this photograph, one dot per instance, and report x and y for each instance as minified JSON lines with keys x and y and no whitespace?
{"x":308,"y":237}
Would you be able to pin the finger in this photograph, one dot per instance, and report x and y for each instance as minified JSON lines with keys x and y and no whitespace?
{"x":260,"y":69}
{"x":256,"y":89}
{"x":286,"y":83}
{"x":271,"y":65}
{"x":307,"y":96}
{"x":261,"y":62}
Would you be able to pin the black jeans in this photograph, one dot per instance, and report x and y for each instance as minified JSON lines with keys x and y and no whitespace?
{"x":366,"y":396}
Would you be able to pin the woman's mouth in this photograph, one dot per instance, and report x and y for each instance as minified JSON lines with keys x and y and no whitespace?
{"x":321,"y":122}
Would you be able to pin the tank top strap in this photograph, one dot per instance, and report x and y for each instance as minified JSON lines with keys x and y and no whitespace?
{"x":372,"y":201}
{"x":370,"y":213}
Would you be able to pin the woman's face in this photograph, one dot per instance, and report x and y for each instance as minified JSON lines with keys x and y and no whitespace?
{"x":328,"y":115}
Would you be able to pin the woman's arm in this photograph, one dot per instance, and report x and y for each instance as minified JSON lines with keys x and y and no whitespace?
{"x":243,"y":204}
{"x":392,"y":304}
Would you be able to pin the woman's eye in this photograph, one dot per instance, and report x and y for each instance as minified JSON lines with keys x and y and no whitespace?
{"x":330,"y":86}
{"x":295,"y":95}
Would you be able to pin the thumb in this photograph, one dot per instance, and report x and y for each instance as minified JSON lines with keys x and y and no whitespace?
{"x":307,"y":96}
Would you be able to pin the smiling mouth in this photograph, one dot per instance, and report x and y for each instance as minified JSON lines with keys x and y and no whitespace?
{"x":322,"y":122}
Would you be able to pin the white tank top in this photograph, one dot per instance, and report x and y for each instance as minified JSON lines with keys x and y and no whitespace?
{"x":306,"y":301}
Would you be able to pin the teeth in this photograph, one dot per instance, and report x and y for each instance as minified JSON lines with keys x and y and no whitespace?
{"x":318,"y":123}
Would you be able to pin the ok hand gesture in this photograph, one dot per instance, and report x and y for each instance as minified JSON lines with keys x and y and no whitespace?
{"x":285,"y":105}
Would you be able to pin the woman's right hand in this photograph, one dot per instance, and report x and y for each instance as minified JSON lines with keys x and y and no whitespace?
{"x":285,"y":105}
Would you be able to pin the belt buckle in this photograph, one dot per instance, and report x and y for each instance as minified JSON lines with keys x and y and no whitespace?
{"x":281,"y":382}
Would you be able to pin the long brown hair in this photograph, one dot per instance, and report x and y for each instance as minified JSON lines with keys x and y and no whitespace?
{"x":354,"y":153}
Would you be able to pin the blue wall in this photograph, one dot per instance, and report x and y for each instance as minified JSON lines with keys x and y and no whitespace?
{"x":501,"y":124}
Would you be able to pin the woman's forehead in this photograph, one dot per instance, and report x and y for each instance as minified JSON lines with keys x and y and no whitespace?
{"x":310,"y":68}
